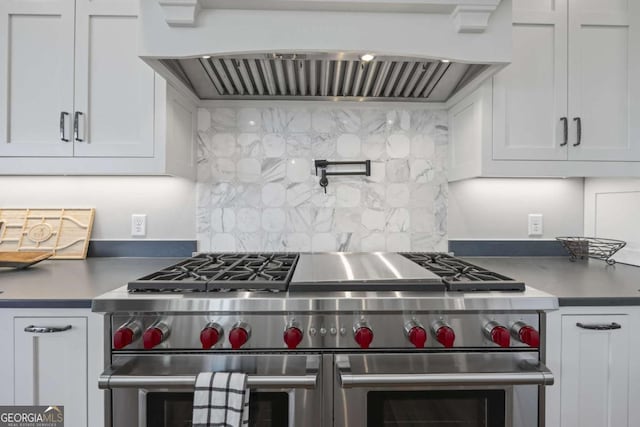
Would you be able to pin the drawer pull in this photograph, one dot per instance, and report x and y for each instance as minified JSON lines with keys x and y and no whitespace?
{"x":599,"y":326}
{"x":46,"y":329}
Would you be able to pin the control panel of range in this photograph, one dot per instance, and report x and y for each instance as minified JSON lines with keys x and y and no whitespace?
{"x":299,"y":332}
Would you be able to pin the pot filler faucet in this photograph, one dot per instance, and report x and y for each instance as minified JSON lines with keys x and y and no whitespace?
{"x":324,"y":164}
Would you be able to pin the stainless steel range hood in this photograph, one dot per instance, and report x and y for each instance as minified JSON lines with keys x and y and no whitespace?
{"x":423,"y":50}
{"x":322,"y":76}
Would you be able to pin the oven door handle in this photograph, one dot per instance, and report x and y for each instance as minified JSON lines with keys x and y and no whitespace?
{"x":348,"y":380}
{"x":533,"y":372}
{"x":108,"y":381}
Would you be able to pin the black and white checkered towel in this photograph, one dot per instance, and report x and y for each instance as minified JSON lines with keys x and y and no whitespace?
{"x":221,"y":399}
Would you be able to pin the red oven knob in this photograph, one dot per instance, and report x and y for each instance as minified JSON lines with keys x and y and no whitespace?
{"x":126,"y":334}
{"x":526,"y":334}
{"x":415,"y":333}
{"x":122,"y":338}
{"x":418,"y":337}
{"x":444,"y":333}
{"x":446,"y":336}
{"x":497,"y":333}
{"x":363,"y":334}
{"x":210,"y":335}
{"x":292,"y":337}
{"x":500,"y":336}
{"x":239,"y":335}
{"x":151,"y":338}
{"x":154,"y":335}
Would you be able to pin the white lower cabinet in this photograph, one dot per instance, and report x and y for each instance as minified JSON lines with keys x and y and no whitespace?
{"x":593,"y":353}
{"x":54,"y":358}
{"x":50,"y":368}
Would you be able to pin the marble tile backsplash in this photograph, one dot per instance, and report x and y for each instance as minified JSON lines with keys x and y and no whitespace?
{"x":257,"y":188}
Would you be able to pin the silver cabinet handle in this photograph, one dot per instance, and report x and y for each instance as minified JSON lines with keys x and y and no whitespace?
{"x":107,"y":381}
{"x":76,"y":126}
{"x":599,"y":326}
{"x":462,"y":379}
{"x":46,"y":329}
{"x":63,"y":115}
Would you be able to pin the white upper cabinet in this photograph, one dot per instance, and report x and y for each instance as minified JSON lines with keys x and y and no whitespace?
{"x":569,"y":92}
{"x":36,"y":77}
{"x":79,"y":100}
{"x":530,"y":95}
{"x":604,"y":89}
{"x":569,"y":103}
{"x":114,"y":89}
{"x":74,"y":83}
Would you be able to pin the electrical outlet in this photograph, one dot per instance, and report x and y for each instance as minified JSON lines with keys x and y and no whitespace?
{"x":138,"y":225}
{"x":535,"y":225}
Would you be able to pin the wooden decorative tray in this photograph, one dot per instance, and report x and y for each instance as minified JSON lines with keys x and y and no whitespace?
{"x":65,"y":232}
{"x":22,"y":259}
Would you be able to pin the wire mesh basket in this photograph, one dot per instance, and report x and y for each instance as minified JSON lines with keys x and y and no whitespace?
{"x":591,"y":247}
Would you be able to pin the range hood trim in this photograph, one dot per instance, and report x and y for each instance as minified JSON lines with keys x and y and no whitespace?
{"x":472,"y":18}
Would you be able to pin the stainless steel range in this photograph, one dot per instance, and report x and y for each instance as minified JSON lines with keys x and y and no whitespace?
{"x":344,"y":339}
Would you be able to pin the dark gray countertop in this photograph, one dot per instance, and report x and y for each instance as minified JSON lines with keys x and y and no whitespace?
{"x":580,"y":283}
{"x":73,"y":284}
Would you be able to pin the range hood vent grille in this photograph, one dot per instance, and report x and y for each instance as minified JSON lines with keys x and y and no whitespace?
{"x":295,"y":76}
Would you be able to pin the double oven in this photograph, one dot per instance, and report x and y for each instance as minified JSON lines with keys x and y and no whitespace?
{"x":390,"y":384}
{"x":329,"y":339}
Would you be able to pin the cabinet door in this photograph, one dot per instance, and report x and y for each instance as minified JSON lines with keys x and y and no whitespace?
{"x":595,"y":368}
{"x":469,"y":128}
{"x":530,"y":95}
{"x":604,"y":89}
{"x":51,"y":368}
{"x":114,"y":88}
{"x":6,"y":358}
{"x":36,"y":77}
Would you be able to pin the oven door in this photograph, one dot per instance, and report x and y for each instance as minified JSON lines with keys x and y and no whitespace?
{"x":439,"y":389}
{"x":156,"y":390}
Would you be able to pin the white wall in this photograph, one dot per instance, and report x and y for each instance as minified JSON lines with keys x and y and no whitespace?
{"x":478,"y":209}
{"x":168,"y":202}
{"x":612,"y":210}
{"x":489,"y":208}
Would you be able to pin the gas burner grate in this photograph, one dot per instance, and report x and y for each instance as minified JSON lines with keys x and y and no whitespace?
{"x":459,"y":275}
{"x":208,"y":272}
